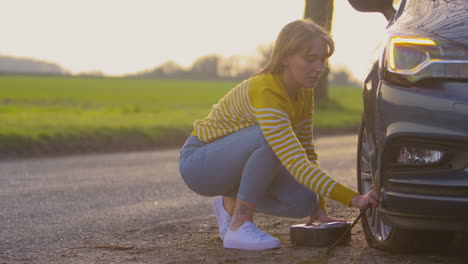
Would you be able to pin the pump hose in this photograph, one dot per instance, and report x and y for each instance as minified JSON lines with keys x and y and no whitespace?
{"x":347,"y":231}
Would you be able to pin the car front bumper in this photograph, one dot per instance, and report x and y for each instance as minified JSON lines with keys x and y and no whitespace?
{"x":424,"y":197}
{"x":426,"y":212}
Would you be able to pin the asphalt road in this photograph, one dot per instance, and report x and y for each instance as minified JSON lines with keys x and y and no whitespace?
{"x":49,"y":205}
{"x":75,"y":209}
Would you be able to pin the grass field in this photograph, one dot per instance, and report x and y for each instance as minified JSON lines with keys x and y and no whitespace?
{"x":43,"y":113}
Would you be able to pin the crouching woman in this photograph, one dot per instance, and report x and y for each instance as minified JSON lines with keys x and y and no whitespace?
{"x":254,"y":151}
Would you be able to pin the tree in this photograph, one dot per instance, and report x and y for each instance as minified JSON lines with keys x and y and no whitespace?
{"x":343,"y":77}
{"x":237,"y":67}
{"x":321,"y":12}
{"x":170,"y":68}
{"x":265,"y":51}
{"x":206,"y":67}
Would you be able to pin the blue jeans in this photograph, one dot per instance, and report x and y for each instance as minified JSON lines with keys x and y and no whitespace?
{"x":243,"y":165}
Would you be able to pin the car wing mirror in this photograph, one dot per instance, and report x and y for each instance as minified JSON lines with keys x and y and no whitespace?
{"x":382,"y":6}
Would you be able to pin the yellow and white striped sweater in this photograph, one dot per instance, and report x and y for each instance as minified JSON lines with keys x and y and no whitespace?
{"x":286,"y":125}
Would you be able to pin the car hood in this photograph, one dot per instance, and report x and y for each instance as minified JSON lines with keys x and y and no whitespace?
{"x":444,"y":18}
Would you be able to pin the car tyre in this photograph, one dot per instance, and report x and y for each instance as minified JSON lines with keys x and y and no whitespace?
{"x":380,"y":235}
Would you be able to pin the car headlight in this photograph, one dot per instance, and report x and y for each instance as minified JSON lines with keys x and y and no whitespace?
{"x":410,"y":59}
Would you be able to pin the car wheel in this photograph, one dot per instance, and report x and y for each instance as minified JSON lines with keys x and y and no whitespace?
{"x":380,"y":235}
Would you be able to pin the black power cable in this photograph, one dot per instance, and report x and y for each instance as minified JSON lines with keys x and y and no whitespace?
{"x":347,"y":231}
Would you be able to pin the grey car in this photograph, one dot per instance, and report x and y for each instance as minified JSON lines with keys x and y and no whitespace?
{"x":413,"y":141}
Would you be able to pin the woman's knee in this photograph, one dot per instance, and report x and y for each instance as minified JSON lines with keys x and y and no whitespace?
{"x":264,"y":146}
{"x":304,"y":206}
{"x":261,"y":140}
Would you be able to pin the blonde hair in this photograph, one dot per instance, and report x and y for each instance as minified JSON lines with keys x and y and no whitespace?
{"x":292,"y":39}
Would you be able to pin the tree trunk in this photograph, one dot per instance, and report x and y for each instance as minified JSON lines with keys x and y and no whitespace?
{"x":321,"y":12}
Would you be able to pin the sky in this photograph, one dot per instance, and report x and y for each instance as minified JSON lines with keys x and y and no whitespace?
{"x":126,"y":36}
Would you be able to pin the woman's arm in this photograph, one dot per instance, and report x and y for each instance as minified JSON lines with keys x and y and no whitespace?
{"x":270,"y":109}
{"x":304,"y":133}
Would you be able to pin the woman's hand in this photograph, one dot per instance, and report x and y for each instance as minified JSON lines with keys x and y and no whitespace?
{"x":321,"y":215}
{"x":363,"y":201}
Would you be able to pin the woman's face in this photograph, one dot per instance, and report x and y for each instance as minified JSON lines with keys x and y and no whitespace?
{"x":303,"y":68}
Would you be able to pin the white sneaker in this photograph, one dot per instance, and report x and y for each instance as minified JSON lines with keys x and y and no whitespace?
{"x":249,"y":237}
{"x":223,"y":217}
